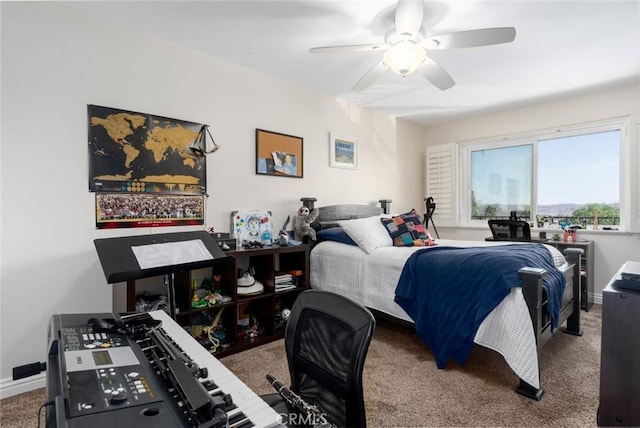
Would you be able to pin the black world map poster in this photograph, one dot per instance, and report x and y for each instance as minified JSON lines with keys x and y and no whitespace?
{"x":142,"y":153}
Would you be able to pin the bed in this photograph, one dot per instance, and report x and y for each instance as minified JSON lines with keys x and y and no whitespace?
{"x":369,"y":273}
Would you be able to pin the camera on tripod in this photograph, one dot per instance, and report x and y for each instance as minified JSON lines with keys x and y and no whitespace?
{"x":431,"y":207}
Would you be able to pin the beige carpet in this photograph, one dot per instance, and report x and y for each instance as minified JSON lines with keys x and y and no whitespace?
{"x":404,"y":388}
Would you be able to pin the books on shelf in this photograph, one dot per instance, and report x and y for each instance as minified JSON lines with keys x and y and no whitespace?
{"x":285,"y":281}
{"x":281,"y":278}
{"x":284,"y":288}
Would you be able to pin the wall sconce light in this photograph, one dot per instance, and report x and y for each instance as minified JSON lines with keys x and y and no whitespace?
{"x":199,"y":146}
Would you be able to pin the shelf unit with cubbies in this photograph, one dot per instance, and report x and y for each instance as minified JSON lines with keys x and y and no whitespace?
{"x":242,"y":312}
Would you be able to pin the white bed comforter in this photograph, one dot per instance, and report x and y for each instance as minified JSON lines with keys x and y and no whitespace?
{"x":371,"y":279}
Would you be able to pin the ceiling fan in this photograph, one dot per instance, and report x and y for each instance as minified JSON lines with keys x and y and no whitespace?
{"x":406,"y":46}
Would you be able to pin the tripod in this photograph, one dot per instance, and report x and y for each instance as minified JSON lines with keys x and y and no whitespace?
{"x":431,"y":207}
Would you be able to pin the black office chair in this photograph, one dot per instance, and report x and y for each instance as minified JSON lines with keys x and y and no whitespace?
{"x":326,"y":341}
{"x":510,"y":230}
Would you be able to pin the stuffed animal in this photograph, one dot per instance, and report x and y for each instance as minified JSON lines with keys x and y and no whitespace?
{"x":302,"y":226}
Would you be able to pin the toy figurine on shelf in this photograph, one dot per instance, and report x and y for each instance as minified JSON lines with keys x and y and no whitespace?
{"x":195,"y":297}
{"x":196,"y":302}
{"x":253,"y":329}
{"x":214,"y":333}
{"x":216,"y":298}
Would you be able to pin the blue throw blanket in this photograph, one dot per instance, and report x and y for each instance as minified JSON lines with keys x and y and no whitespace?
{"x":448,"y":291}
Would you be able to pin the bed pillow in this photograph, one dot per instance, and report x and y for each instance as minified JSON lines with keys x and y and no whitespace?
{"x":558,"y":257}
{"x":367,"y":232}
{"x":336,"y":234}
{"x":406,"y":230}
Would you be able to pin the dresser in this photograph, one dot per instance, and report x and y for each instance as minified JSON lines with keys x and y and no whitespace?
{"x":620,"y":357}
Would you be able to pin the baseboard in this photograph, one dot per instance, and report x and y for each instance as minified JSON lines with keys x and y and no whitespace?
{"x":596,"y":298}
{"x":10,"y":387}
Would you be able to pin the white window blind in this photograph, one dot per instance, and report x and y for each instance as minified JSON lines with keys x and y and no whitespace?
{"x":441,"y":182}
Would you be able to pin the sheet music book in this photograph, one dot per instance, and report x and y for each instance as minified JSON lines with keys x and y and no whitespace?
{"x":170,"y":253}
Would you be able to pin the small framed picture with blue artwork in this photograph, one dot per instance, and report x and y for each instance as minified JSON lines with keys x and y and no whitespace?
{"x":343,"y":151}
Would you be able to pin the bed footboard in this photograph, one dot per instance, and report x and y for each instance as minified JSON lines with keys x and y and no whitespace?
{"x":574,"y":257}
{"x":536,"y":301}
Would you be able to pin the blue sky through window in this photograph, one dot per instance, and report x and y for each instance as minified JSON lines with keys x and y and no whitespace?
{"x":574,"y":170}
{"x":581,"y":169}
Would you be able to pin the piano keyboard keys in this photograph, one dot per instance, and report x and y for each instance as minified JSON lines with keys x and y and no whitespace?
{"x":249,"y":404}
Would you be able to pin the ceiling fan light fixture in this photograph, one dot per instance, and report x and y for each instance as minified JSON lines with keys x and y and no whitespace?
{"x":404,"y":57}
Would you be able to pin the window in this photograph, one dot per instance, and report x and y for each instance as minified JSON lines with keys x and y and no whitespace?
{"x":593,"y":201}
{"x":552,"y":179}
{"x":501,"y":182}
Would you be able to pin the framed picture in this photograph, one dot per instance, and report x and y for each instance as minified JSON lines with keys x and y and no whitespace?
{"x":253,"y":225}
{"x":123,"y":210}
{"x":343,"y":151}
{"x":278,"y":154}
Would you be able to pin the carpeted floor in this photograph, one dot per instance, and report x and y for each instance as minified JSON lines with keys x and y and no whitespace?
{"x":404,"y":388}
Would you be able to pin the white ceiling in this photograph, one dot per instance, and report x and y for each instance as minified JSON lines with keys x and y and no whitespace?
{"x":561,"y":47}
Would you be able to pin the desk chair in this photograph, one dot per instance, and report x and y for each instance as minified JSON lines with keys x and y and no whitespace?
{"x":326,"y":342}
{"x":510,"y":230}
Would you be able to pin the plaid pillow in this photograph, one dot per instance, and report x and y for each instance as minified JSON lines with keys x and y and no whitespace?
{"x":406,"y":230}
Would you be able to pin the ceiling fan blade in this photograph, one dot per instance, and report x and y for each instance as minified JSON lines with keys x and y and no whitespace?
{"x":472,"y":38}
{"x":350,"y":48}
{"x":409,"y":15}
{"x":435,"y":74}
{"x":371,"y":76}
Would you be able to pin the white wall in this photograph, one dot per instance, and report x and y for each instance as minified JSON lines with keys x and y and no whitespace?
{"x":55,"y":61}
{"x":611,"y":249}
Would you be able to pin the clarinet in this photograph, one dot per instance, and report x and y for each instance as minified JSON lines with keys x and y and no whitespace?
{"x":311,"y":415}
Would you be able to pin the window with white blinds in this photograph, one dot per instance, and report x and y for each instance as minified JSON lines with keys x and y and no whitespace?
{"x":449,"y":178}
{"x":441,"y":185}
